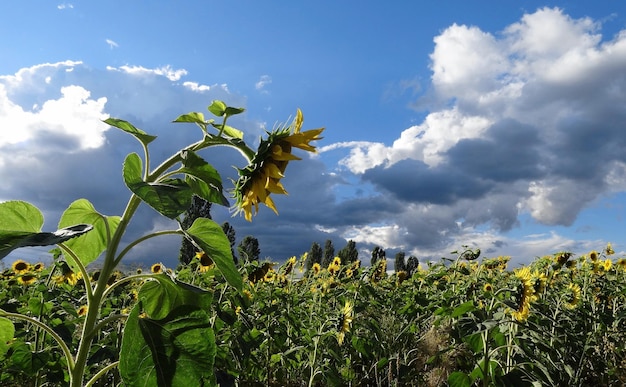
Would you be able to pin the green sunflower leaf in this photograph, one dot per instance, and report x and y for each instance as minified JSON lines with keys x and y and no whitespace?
{"x":212,"y":240}
{"x":88,"y":247}
{"x":127,"y":127}
{"x":169,"y":197}
{"x":175,"y":351}
{"x":7,"y":330}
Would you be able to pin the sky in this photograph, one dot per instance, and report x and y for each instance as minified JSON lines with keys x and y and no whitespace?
{"x":499,"y":125}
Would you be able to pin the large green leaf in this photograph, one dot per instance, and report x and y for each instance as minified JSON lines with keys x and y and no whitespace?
{"x":20,"y":216}
{"x":195,"y":117}
{"x":203,"y":179}
{"x":169,"y":197}
{"x":162,"y":296}
{"x":88,"y":247}
{"x":126,"y":126}
{"x":7,"y":330}
{"x":212,"y":240}
{"x":176,"y":351}
{"x":20,"y":225}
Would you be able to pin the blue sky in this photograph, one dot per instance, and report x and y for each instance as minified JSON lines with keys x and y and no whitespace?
{"x":495,"y":124}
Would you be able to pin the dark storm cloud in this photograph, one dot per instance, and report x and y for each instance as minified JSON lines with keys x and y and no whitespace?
{"x":414,"y":181}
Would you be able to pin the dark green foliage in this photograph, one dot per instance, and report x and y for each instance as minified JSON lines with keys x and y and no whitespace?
{"x":230,"y":234}
{"x":411,"y":265}
{"x":377,"y":253}
{"x":248,"y":249}
{"x":329,"y":253}
{"x":315,"y":256}
{"x":399,"y":264}
{"x":349,"y":253}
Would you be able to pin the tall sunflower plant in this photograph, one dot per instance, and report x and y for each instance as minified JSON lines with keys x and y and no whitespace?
{"x":168,"y":338}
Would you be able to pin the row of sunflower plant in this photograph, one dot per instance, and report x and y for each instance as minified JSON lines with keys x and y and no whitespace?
{"x":68,"y":326}
{"x":460,"y":322}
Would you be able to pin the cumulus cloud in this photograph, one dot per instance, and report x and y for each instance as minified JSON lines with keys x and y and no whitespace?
{"x":526,"y":121}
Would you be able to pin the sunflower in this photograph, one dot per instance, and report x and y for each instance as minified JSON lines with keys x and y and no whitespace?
{"x":609,"y":249}
{"x":156,"y":268}
{"x":347,"y":314}
{"x":488,"y":288}
{"x":337,"y":261}
{"x":621,"y":263}
{"x":593,"y":256}
{"x":206,"y":262}
{"x":291,"y":262}
{"x":572,"y":296}
{"x":540,"y":280}
{"x":562,"y":257}
{"x":316,"y":268}
{"x":26,"y":279}
{"x":525,"y":294}
{"x":82,"y":311}
{"x":20,"y":267}
{"x":39,"y":266}
{"x":263,"y":174}
{"x":607,"y":264}
{"x":333,"y":269}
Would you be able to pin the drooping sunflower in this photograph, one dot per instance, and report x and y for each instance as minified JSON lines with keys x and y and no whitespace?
{"x":288,"y":267}
{"x":263,"y":174}
{"x":572,"y":296}
{"x":525,"y":294}
{"x":347,"y":314}
{"x":621,"y":263}
{"x":20,"y":267}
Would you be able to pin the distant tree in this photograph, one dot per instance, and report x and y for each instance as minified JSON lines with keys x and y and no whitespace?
{"x":349,"y":253}
{"x":377,"y":253}
{"x":399,"y":264}
{"x":199,"y":208}
{"x":248,"y":249}
{"x":315,"y":256}
{"x":411,"y":265}
{"x":230,"y":234}
{"x":329,"y":253}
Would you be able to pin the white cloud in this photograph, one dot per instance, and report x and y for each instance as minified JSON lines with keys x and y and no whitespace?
{"x":112,"y":44}
{"x":167,"y":71}
{"x":65,"y":6}
{"x":74,"y":115}
{"x":263,"y":81}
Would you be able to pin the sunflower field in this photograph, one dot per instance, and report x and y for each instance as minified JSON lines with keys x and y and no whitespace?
{"x":463,"y":321}
{"x":559,"y":321}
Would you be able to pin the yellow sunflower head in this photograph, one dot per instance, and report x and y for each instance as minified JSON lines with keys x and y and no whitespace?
{"x":347,"y":314}
{"x":39,"y":266}
{"x":206,"y":262}
{"x":572,"y":295}
{"x":20,"y":266}
{"x":26,"y":279}
{"x":263,"y":174}
{"x":316,"y":268}
{"x":156,"y":268}
{"x":82,"y":311}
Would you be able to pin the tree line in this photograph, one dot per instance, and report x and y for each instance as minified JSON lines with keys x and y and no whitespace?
{"x":248,"y":248}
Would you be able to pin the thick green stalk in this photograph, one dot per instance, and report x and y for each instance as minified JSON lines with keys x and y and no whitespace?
{"x":93,"y":313}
